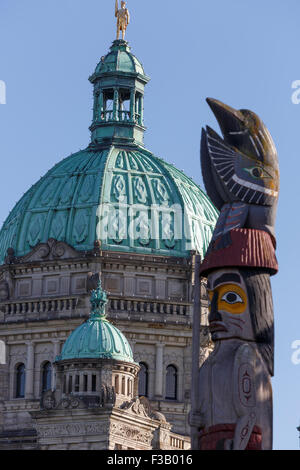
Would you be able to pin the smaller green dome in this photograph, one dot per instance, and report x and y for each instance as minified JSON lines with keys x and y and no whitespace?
{"x":119,"y":59}
{"x":97,"y":338}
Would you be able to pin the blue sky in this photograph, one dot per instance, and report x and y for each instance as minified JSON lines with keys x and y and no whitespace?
{"x":244,"y":52}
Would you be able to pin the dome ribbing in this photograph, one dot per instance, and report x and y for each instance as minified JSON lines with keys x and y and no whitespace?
{"x":102,"y":195}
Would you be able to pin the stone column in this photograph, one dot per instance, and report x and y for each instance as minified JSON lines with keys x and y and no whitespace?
{"x":80,"y":382}
{"x":95,"y":110}
{"x":2,"y":353}
{"x":139,"y":102}
{"x":132,"y":105}
{"x":187,"y":374}
{"x":136,"y":107}
{"x":89,"y":386}
{"x":160,"y":285}
{"x":4,"y":375}
{"x":56,"y":351}
{"x":159,"y":365}
{"x":116,"y":105}
{"x":29,"y":371}
{"x":142,"y":110}
{"x":100,"y":106}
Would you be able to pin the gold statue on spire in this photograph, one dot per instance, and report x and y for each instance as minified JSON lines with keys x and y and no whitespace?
{"x":123,"y":18}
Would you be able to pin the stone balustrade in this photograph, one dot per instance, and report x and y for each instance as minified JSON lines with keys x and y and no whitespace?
{"x":22,"y":307}
{"x":132,"y":306}
{"x":34,"y":308}
{"x":178,"y":443}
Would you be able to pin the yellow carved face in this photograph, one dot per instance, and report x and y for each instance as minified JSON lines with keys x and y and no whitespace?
{"x":229,"y":314}
{"x":231,"y":298}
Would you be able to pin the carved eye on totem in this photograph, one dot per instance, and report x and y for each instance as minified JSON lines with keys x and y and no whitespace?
{"x":258,"y":172}
{"x":232,"y":298}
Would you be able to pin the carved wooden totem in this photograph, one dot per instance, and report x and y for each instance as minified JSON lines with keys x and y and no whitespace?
{"x":233,"y":408}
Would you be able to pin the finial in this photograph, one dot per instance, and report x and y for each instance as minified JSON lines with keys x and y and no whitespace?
{"x":98,"y":301}
{"x":123,"y":18}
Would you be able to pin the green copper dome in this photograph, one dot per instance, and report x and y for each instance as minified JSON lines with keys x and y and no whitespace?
{"x":115,"y":191}
{"x":119,"y":59}
{"x":97,"y":338}
{"x":103,"y":195}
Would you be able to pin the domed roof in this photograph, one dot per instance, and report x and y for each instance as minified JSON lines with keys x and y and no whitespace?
{"x":119,"y":59}
{"x":130,"y":200}
{"x":97,"y":338}
{"x":115,"y":191}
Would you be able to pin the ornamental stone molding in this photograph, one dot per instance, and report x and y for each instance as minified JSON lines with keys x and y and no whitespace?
{"x":51,"y":250}
{"x":4,"y":291}
{"x":134,"y":434}
{"x":52,"y":400}
{"x":135,"y":407}
{"x":141,"y":407}
{"x":72,"y":429}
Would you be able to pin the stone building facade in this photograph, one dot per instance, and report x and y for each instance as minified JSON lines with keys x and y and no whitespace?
{"x":53,"y":249}
{"x":95,"y":403}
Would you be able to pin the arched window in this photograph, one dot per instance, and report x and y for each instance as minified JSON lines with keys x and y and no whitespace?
{"x":85,"y":383}
{"x":94,"y":382}
{"x":171,"y":383}
{"x":143,"y":380}
{"x":20,"y":381}
{"x":46,"y":376}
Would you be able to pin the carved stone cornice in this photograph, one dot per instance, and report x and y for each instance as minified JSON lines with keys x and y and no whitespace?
{"x":49,"y":251}
{"x":54,"y":250}
{"x":132,"y":433}
{"x":135,"y":407}
{"x":72,"y":429}
{"x":51,"y":401}
{"x":140,"y":406}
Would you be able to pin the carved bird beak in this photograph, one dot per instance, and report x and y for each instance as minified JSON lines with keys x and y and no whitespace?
{"x":230,"y":120}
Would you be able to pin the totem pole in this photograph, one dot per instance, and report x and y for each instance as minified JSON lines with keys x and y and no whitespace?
{"x":233,"y":409}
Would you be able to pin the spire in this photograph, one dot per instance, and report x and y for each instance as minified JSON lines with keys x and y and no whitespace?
{"x":98,"y":302}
